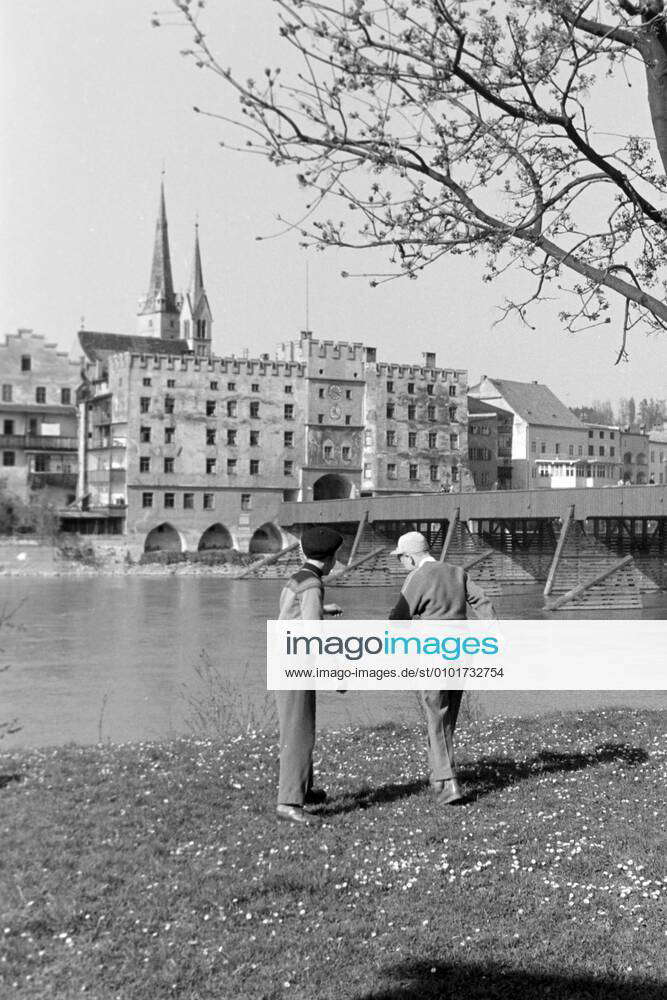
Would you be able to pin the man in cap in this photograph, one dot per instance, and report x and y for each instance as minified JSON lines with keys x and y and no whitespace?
{"x":437,"y":590}
{"x":302,"y":597}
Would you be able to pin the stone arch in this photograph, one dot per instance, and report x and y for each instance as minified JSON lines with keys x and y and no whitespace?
{"x":627,"y":458}
{"x":215,"y":537}
{"x":267,"y":538}
{"x":332,"y":486}
{"x":163,"y":538}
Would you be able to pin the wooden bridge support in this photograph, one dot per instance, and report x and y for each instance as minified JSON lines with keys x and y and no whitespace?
{"x":272,"y":557}
{"x":576,"y":591}
{"x":565,"y":530}
{"x":451,"y":528}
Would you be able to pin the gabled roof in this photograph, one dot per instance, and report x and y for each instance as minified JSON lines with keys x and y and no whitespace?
{"x":99,"y":346}
{"x":535,"y":403}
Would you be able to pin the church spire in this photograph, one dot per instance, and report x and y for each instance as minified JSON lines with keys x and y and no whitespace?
{"x":196,"y":318}
{"x":196,"y":288}
{"x":158,"y":311}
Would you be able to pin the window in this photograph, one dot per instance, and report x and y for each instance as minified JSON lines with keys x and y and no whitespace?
{"x":612,"y":435}
{"x":231,"y":466}
{"x":414,"y":472}
{"x":66,"y":396}
{"x":570,"y":450}
{"x":254,"y":387}
{"x":433,"y":439}
{"x":6,"y":394}
{"x":8,"y":427}
{"x":453,"y":441}
{"x":390,"y":386}
{"x":26,"y":363}
{"x":288,"y":390}
{"x":210,"y":466}
{"x":590,"y":434}
{"x":254,"y":409}
{"x":612,"y":451}
{"x":601,"y":434}
{"x":452,"y":413}
{"x":346,"y":452}
{"x":288,"y":468}
{"x":144,"y":435}
{"x":210,"y":408}
{"x":591,"y":449}
{"x":391,"y":470}
{"x":543,"y":448}
{"x":144,"y":464}
{"x":348,"y":394}
{"x":368,"y":473}
{"x":412,"y":411}
{"x":168,"y":404}
{"x":430,"y":412}
{"x":328,"y":451}
{"x":188,"y":501}
{"x":231,"y":408}
{"x":320,"y":392}
{"x":146,"y":499}
{"x":40,"y":394}
{"x":390,"y":411}
{"x":171,"y":383}
{"x":254,"y":439}
{"x":557,"y":448}
{"x":147,"y":382}
{"x":455,"y":473}
{"x":213,"y":386}
{"x":231,"y":387}
{"x":391,"y":439}
{"x":412,"y":439}
{"x":601,"y":450}
{"x":210,"y":435}
{"x":434,"y":473}
{"x":254,"y":466}
{"x":170,"y":500}
{"x":429,"y":389}
{"x":168,"y":465}
{"x":8,"y":458}
{"x":411,"y":388}
{"x":348,"y":419}
{"x":289,"y":411}
{"x":452,"y":390}
{"x":144,"y":404}
{"x":231,"y":438}
{"x":320,"y":418}
{"x":533,"y":446}
{"x":207,"y":501}
{"x":288,"y":439}
{"x":169,"y":435}
{"x":245,"y":501}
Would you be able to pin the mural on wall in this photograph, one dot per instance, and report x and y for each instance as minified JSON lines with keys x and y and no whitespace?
{"x":334,"y":447}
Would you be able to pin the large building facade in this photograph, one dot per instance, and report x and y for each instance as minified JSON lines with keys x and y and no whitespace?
{"x":38,"y":423}
{"x":180,"y":449}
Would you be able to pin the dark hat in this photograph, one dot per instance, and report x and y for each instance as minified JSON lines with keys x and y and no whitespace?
{"x":320,"y":543}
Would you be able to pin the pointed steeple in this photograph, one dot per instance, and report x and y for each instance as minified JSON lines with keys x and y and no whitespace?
{"x":158,"y":311}
{"x":196,"y":289}
{"x":196,"y":318}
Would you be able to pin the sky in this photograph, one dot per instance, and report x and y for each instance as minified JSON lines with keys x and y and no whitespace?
{"x":95,"y":103}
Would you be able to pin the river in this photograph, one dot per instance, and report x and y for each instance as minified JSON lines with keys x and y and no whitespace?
{"x":120,"y":658}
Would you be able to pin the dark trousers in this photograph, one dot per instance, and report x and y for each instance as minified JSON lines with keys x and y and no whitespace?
{"x":442,"y":710}
{"x":296,"y":715}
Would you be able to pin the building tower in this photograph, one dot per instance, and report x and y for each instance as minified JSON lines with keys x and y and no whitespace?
{"x":196,"y":319}
{"x":158,"y":311}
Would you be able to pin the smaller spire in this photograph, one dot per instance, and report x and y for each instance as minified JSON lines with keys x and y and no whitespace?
{"x":196,"y":288}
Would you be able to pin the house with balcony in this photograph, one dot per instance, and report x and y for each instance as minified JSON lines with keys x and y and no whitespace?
{"x":38,"y":420}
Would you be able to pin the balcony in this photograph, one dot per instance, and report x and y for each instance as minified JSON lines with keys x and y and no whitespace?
{"x":38,"y":442}
{"x":63,"y":480}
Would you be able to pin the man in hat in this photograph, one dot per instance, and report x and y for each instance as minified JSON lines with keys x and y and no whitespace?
{"x":437,"y":590}
{"x":302,"y":598}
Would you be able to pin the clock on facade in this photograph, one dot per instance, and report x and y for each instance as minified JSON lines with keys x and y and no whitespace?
{"x":335,"y":392}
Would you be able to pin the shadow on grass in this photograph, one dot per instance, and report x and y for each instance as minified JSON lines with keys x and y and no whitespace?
{"x":461,"y":981}
{"x":7,"y":779}
{"x":490,"y":774}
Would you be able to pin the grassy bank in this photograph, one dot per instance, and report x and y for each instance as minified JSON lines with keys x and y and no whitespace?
{"x":154,"y":871}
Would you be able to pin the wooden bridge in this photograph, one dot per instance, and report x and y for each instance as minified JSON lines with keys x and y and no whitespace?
{"x":587,"y":548}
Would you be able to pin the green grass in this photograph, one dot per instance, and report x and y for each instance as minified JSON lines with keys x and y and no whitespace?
{"x":157,"y":870}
